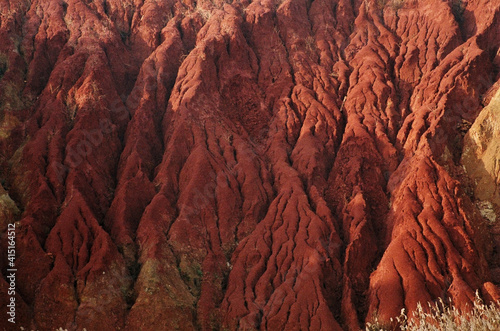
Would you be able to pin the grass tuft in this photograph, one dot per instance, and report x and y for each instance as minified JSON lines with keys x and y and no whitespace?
{"x":440,"y":317}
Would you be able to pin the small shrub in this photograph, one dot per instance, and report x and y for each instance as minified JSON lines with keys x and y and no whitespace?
{"x":310,"y":43}
{"x":393,"y":4}
{"x":204,"y":13}
{"x":3,"y":68}
{"x":396,"y":4}
{"x":458,"y":9}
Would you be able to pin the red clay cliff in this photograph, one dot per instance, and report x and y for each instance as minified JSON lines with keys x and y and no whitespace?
{"x":239,"y":165}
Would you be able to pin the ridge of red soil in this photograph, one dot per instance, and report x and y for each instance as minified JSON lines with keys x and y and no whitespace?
{"x":246,"y":165}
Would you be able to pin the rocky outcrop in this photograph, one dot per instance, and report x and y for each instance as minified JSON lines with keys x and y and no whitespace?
{"x":244,"y":165}
{"x":480,"y":158}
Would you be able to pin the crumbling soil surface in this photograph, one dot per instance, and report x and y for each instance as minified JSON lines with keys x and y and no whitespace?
{"x":239,"y":165}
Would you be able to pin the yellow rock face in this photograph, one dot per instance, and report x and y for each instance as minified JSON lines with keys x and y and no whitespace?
{"x":481,"y":158}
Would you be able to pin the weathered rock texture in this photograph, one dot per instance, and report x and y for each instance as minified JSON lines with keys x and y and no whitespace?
{"x":245,"y":165}
{"x":481,"y":161}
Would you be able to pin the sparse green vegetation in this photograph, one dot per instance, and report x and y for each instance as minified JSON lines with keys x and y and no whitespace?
{"x":191,"y":274}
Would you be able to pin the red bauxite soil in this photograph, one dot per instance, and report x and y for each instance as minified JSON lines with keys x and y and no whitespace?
{"x":265,"y":165}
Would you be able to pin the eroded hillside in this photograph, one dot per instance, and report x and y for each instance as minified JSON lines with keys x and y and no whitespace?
{"x":247,"y":165}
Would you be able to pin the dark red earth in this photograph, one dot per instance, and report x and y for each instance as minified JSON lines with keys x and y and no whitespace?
{"x":265,"y":165}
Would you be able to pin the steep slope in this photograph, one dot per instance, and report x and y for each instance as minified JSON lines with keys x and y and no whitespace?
{"x":244,"y":165}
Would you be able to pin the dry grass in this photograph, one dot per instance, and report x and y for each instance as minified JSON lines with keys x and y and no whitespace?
{"x":310,"y":43}
{"x":396,"y":4}
{"x":440,"y":317}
